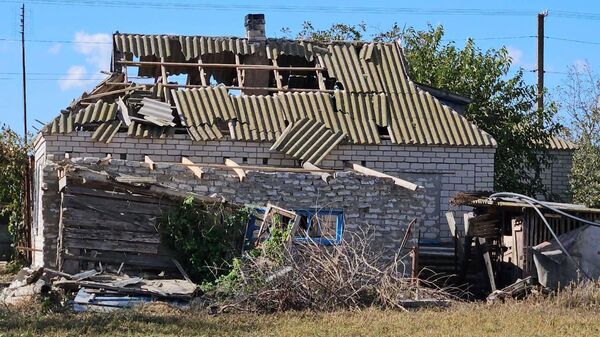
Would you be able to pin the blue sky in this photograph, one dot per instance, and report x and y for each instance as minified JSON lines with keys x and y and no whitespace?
{"x":69,"y":41}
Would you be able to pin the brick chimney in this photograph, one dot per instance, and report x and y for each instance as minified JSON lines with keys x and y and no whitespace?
{"x":255,"y":27}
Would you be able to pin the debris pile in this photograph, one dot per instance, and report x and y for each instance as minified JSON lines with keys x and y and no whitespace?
{"x":97,"y":290}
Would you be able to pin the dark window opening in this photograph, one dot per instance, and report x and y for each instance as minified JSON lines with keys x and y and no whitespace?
{"x":245,"y":160}
{"x":383,"y":131}
{"x":265,"y":161}
{"x":363,"y":163}
{"x":123,"y":156}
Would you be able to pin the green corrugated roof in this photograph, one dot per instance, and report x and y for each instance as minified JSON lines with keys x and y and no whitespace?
{"x":376,"y":97}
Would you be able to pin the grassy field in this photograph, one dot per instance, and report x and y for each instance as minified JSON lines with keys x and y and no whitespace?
{"x":515,"y":319}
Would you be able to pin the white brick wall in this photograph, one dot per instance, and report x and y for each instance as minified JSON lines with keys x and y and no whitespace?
{"x":448,"y":169}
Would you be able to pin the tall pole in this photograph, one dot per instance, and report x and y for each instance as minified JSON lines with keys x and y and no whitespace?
{"x":24,"y":74}
{"x":540,"y":61}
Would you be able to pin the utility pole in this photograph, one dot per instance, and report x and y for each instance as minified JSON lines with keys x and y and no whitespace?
{"x":24,"y":74}
{"x":540,"y":62}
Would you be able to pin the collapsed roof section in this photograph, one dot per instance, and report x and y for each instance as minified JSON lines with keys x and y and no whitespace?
{"x":222,"y":87}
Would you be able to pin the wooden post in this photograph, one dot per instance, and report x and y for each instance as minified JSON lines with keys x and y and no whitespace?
{"x":481,"y":244}
{"x":277,"y":76}
{"x":540,"y":63}
{"x":320,"y":77}
{"x":165,"y":81}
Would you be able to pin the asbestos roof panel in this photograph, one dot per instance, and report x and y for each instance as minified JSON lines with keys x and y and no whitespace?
{"x":558,"y":143}
{"x":156,"y":110}
{"x":141,"y":130}
{"x":106,"y":131}
{"x":98,"y":112}
{"x":277,"y":47}
{"x":204,"y":132}
{"x":190,"y":46}
{"x":307,"y":140}
{"x":203,"y":105}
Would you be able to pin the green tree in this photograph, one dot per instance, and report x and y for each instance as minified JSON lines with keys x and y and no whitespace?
{"x":13,"y":163}
{"x":501,"y":104}
{"x":580,"y":100}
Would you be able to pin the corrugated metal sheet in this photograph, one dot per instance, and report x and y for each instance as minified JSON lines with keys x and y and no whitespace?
{"x":157,"y":112}
{"x":106,"y":131}
{"x":277,"y":47}
{"x":308,"y":140}
{"x":190,"y":46}
{"x":558,"y":143}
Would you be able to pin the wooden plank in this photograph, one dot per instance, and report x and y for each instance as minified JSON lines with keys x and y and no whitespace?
{"x":86,"y":219}
{"x":193,"y":167}
{"x":109,"y":207}
{"x":277,"y":75}
{"x":370,"y":172}
{"x":488,"y":262}
{"x":116,"y":195}
{"x":116,"y":246}
{"x":240,"y":74}
{"x":111,"y":235}
{"x":150,"y":261}
{"x":222,"y":65}
{"x":202,"y":72}
{"x":181,"y":270}
{"x":313,"y":169}
{"x":466,"y":222}
{"x":451,"y":223}
{"x":236,"y":168}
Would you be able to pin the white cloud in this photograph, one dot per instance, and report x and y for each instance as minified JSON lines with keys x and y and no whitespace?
{"x":515,"y":54}
{"x":96,"y":48}
{"x":55,"y":48}
{"x":75,"y":78}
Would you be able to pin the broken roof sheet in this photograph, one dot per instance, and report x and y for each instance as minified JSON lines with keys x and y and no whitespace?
{"x":308,"y":140}
{"x":374,"y":97}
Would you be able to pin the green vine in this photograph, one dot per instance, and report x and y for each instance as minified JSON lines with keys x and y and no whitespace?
{"x":205,"y":237}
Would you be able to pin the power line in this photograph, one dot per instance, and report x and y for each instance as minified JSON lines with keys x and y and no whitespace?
{"x":287,"y":8}
{"x":55,"y":41}
{"x":572,"y":40}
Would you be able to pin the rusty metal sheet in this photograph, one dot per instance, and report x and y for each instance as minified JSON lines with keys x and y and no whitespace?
{"x":308,"y":140}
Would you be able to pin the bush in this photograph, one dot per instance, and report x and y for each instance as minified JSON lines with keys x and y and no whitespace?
{"x":585,"y":175}
{"x":205,"y":237}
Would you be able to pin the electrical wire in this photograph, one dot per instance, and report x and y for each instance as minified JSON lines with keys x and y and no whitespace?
{"x":545,"y":205}
{"x":531,"y":202}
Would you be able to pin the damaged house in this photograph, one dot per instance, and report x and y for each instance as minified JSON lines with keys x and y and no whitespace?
{"x":334,"y":131}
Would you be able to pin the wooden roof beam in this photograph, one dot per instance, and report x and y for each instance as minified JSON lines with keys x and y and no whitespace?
{"x":236,"y":168}
{"x":370,"y":172}
{"x":198,"y":172}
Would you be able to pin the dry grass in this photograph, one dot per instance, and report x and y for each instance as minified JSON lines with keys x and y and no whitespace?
{"x":530,"y":318}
